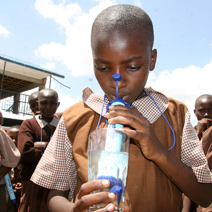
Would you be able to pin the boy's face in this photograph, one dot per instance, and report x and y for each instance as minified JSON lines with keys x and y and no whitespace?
{"x":47,"y":104}
{"x":203,"y":108}
{"x":34,"y":106}
{"x":128,"y":54}
{"x":13,"y":134}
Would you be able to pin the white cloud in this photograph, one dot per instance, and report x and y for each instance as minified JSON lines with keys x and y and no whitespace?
{"x":76,"y":53}
{"x":61,"y":13}
{"x":4,"y":31}
{"x":138,"y":3}
{"x":49,"y":66}
{"x":51,"y":51}
{"x":184,"y":84}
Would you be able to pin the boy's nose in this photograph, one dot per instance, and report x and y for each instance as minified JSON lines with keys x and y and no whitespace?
{"x":207,"y":114}
{"x":48,"y":106}
{"x":121,"y":82}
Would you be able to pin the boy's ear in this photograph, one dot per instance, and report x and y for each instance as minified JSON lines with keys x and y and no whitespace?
{"x":153,"y":59}
{"x":58,"y":104}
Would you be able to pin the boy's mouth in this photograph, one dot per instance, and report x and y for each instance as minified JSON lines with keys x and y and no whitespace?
{"x":125,"y":98}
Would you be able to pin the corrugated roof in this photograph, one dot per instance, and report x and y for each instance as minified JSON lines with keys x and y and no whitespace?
{"x":25,"y":68}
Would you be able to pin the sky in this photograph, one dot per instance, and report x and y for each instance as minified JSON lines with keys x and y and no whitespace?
{"x":55,"y":34}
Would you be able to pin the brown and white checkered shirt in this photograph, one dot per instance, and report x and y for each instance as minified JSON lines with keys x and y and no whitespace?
{"x":57,"y":168}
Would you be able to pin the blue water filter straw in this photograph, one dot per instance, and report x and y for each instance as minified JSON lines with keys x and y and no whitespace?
{"x":115,"y":144}
{"x":110,"y":159}
{"x":10,"y":188}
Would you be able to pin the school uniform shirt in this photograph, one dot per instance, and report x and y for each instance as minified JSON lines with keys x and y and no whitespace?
{"x":9,"y":153}
{"x":31,"y":131}
{"x":64,"y":163}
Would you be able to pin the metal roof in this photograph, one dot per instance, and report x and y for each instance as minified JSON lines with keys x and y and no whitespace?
{"x":22,"y":75}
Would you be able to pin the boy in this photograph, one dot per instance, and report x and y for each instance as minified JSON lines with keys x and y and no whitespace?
{"x":33,"y":103}
{"x":121,"y":41}
{"x":13,"y":133}
{"x":33,"y":137}
{"x":203,"y":112}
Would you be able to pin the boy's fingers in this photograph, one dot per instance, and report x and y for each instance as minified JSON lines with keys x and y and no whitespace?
{"x":126,"y":208}
{"x":97,"y":198}
{"x":109,"y":207}
{"x":88,"y":187}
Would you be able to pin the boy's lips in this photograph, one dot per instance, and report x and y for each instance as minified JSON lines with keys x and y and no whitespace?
{"x":125,"y":98}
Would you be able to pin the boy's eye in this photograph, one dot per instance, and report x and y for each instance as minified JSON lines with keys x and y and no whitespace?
{"x":102,"y":68}
{"x":201,"y":110}
{"x":53,"y":104}
{"x":43,"y":103}
{"x":133,"y":68}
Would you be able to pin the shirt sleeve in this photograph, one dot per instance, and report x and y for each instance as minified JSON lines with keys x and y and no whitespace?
{"x":10,"y":155}
{"x":192,"y":153}
{"x":57,"y":169}
{"x":25,"y":143}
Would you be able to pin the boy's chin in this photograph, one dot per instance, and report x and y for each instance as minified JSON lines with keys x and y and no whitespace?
{"x":48,"y":115}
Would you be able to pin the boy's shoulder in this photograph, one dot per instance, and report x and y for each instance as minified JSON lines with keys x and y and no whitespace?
{"x":78,"y":109}
{"x":29,"y":123}
{"x":177,"y":105}
{"x":91,"y":102}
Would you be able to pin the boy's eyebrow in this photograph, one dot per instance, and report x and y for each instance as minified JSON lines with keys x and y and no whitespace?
{"x":125,"y":61}
{"x":101,"y":61}
{"x":132,"y":59}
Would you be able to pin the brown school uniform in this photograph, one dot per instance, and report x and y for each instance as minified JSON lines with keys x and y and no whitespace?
{"x":148,"y":189}
{"x":151,"y":191}
{"x":207,"y":147}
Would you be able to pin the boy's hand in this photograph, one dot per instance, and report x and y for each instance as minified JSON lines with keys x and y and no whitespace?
{"x":40,"y":145}
{"x":57,"y":200}
{"x":84,"y":199}
{"x":139,"y":129}
{"x":202,"y":125}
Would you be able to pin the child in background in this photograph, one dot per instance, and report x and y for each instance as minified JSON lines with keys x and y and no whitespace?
{"x":33,"y":137}
{"x":33,"y":103}
{"x":162,"y":163}
{"x":9,"y":158}
{"x":13,"y":133}
{"x":203,"y":112}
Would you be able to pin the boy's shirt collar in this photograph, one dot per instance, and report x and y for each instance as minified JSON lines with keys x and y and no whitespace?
{"x":143,"y":105}
{"x":42,"y":123}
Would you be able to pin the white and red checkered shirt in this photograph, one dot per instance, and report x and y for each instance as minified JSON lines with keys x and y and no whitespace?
{"x":57,"y":168}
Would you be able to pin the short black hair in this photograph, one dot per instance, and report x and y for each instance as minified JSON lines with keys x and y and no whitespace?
{"x":203,"y":96}
{"x":47,"y":92}
{"x":122,"y":17}
{"x":33,"y":96}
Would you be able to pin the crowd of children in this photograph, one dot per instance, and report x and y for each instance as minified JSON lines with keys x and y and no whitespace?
{"x":31,"y":138}
{"x":170,"y":161}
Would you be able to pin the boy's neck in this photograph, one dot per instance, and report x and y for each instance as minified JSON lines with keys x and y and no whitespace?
{"x":47,"y":119}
